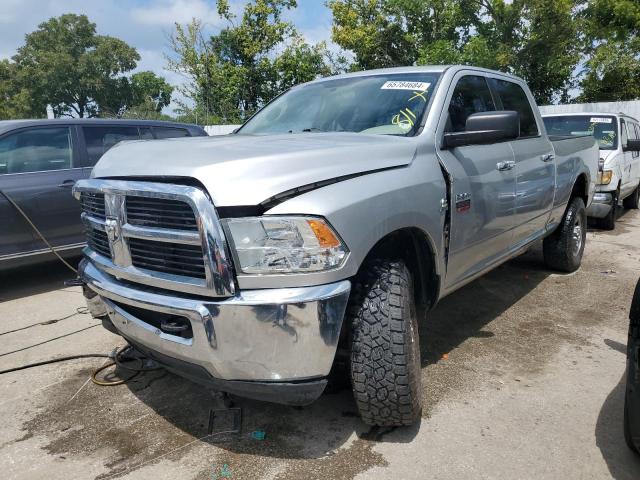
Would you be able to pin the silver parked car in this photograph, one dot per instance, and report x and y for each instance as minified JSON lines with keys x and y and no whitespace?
{"x":326,"y":227}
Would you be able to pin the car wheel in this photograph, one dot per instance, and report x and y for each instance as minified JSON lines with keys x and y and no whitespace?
{"x":563,"y":249}
{"x":632,"y":388}
{"x":632,"y":202}
{"x":384,"y":345}
{"x":609,"y":222}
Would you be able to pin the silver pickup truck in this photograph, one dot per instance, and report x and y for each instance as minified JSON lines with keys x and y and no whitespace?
{"x":326,"y":227}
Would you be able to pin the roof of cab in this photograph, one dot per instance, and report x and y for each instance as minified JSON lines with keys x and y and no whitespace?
{"x":414,"y":69}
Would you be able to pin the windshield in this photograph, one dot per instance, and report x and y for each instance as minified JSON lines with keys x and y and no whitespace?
{"x":390,"y":104}
{"x":603,"y":127}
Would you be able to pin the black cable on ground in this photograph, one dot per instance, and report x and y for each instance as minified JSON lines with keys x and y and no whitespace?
{"x":79,"y":311}
{"x":55,"y":360}
{"x":47,"y":341}
{"x":26,"y":217}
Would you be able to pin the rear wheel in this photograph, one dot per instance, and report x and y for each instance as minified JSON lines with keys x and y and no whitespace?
{"x":384,"y":344}
{"x":563,"y":249}
{"x":632,"y":202}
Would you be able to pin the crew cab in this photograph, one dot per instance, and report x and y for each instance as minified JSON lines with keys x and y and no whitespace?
{"x":618,"y":137}
{"x":321,"y":231}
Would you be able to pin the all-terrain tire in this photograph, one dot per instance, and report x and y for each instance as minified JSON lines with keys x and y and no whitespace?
{"x":384,"y":345}
{"x":632,"y":385}
{"x":632,"y":202}
{"x":609,"y":222}
{"x":563,"y":249}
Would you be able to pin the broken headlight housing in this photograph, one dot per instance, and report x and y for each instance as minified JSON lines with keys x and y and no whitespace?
{"x":276,"y":245}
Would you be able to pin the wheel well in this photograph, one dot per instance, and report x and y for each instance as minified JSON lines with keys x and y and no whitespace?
{"x":581,"y":188}
{"x":413,"y":247}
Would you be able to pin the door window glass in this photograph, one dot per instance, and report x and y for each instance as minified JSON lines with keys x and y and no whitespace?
{"x":471,"y":95}
{"x":624,"y":136}
{"x":168,"y":132}
{"x":101,"y":139}
{"x":36,"y":150}
{"x":513,"y":98}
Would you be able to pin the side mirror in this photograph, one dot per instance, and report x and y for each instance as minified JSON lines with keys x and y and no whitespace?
{"x":484,"y":128}
{"x":632,"y":146}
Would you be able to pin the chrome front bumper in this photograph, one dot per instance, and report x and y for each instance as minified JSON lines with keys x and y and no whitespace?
{"x":601,"y":205}
{"x":278,"y":336}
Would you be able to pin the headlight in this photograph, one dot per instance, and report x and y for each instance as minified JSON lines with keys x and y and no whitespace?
{"x":285,"y":245}
{"x":604,"y":177}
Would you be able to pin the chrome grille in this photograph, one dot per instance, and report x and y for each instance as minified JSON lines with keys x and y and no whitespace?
{"x":161,"y":235}
{"x":93,"y":204}
{"x":160,"y":213}
{"x":98,"y":241}
{"x":167,"y":257}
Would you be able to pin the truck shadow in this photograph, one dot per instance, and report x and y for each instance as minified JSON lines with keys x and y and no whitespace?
{"x":464,"y":313}
{"x":323,"y":428}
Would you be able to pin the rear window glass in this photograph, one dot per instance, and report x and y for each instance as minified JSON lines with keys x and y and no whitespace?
{"x":513,"y":98}
{"x":168,"y":132}
{"x":101,"y":139}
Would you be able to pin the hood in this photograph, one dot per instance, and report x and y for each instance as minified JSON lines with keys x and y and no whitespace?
{"x":246,"y":170}
{"x":608,"y":155}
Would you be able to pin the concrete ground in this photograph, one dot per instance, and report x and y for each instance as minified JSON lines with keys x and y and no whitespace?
{"x":523,"y":375}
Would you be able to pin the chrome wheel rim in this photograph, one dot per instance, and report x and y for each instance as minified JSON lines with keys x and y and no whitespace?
{"x":577,"y":236}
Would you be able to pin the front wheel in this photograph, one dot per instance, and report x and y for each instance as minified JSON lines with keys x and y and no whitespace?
{"x":563,"y":249}
{"x":609,"y":222}
{"x":384,"y":344}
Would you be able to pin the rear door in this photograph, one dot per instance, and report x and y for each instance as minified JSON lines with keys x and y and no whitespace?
{"x":38,"y":167}
{"x":535,"y":168}
{"x":483,"y":193}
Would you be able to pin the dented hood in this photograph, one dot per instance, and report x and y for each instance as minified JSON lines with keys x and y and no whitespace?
{"x":247,"y":170}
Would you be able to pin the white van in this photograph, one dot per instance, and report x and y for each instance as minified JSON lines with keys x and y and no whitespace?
{"x":619,"y":168}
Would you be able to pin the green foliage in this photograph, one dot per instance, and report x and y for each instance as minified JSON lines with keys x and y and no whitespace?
{"x":235,"y":72}
{"x":65,"y":64}
{"x":612,"y":71}
{"x":535,"y":39}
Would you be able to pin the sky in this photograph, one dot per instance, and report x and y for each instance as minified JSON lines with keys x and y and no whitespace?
{"x":144,"y":24}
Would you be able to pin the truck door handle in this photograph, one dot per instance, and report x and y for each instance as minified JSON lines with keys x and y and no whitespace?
{"x":508,"y":165}
{"x":67,"y":184}
{"x":547,"y":157}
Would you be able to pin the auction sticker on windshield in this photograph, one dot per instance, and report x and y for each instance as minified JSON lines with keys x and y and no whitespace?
{"x":404,"y":85}
{"x":600,"y":120}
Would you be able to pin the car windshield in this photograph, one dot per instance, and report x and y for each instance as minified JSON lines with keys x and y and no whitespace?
{"x":603,"y":127}
{"x":390,"y":104}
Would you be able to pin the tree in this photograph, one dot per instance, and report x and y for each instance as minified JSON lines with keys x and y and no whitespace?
{"x":612,"y":68}
{"x":535,"y":39}
{"x":64,"y":63}
{"x":15,"y":101}
{"x":235,"y":72}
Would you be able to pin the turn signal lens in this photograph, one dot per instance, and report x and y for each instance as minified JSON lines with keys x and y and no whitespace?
{"x":604,"y":177}
{"x":323,"y":233}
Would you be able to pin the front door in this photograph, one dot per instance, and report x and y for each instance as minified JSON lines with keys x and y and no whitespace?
{"x":483,"y":186}
{"x":38,"y":173}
